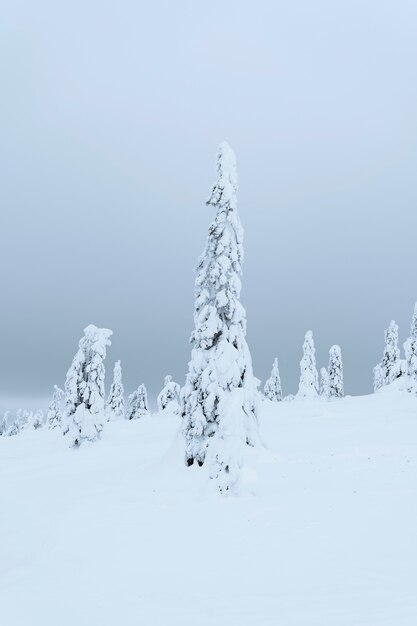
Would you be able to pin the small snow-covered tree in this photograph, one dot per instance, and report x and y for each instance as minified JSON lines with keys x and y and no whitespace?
{"x":309,"y":382}
{"x":137,"y":405}
{"x":4,"y":424}
{"x":335,"y":373}
{"x":15,"y":426}
{"x":116,"y":401}
{"x":391,"y":358}
{"x":272,"y":389}
{"x":84,"y":388}
{"x":169,"y":398}
{"x":36,"y":419}
{"x":219,"y":399}
{"x":378,"y":377}
{"x":410,"y":348}
{"x":54,"y":414}
{"x":324,"y":383}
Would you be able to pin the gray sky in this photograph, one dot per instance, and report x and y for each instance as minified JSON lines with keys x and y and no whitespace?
{"x":110,"y":116}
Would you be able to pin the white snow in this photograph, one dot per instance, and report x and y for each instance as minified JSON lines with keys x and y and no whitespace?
{"x":325,"y":535}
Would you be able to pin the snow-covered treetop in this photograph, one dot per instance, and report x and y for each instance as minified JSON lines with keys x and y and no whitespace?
{"x":97,"y":338}
{"x":117,"y":373}
{"x":224,"y":191}
{"x":218,"y":311}
{"x":413,"y":329}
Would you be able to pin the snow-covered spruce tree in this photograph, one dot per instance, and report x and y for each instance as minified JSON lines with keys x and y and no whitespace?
{"x":54,"y":414}
{"x":390,"y":363}
{"x":36,"y":419}
{"x":116,"y":401}
{"x":4,"y":424}
{"x":324,"y":383}
{"x":335,"y":373}
{"x":378,"y":377}
{"x":137,"y":404}
{"x":272,"y":389}
{"x":219,"y":399}
{"x":309,"y":380}
{"x":169,"y":398}
{"x":84,"y":388}
{"x":410,"y":348}
{"x":14,"y":426}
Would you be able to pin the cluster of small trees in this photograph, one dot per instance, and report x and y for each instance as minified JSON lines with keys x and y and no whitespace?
{"x":85,"y":409}
{"x":392,"y":366}
{"x":330,"y":386}
{"x":23,"y":420}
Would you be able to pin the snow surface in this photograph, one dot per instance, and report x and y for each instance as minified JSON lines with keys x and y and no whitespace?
{"x":111,"y":533}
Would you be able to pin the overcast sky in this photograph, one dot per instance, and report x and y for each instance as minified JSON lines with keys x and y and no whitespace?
{"x":110,"y":117}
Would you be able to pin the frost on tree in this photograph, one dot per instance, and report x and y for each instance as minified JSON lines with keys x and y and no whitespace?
{"x":324,"y":383}
{"x":137,"y":404}
{"x":84,"y":388}
{"x":54,"y":414}
{"x":309,"y":380}
{"x":410,"y":348}
{"x":116,"y":401}
{"x":169,"y":397}
{"x":272,"y":389}
{"x":219,"y":399}
{"x":378,"y":377}
{"x":335,"y":373}
{"x":390,"y":363}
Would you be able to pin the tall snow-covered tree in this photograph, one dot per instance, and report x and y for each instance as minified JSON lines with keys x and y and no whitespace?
{"x":169,"y":397}
{"x":54,"y":414}
{"x":324,"y":383}
{"x":378,"y":377}
{"x":219,"y":399}
{"x":84,"y":388}
{"x":410,"y":348}
{"x":309,"y":380}
{"x":335,"y":373}
{"x":272,"y":389}
{"x":116,"y":401}
{"x":390,"y":363}
{"x":137,"y":404}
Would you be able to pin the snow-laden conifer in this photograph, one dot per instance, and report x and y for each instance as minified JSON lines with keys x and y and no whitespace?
{"x":54,"y":414}
{"x":390,"y":363}
{"x":169,"y":397}
{"x":116,"y":401}
{"x":378,"y":377}
{"x":272,"y":389}
{"x":84,"y":388}
{"x":4,"y":424}
{"x":15,"y":425}
{"x":324,"y":383}
{"x":335,"y":373}
{"x":309,"y":380}
{"x":410,"y":348}
{"x":137,"y":404}
{"x":219,"y":399}
{"x":36,"y":419}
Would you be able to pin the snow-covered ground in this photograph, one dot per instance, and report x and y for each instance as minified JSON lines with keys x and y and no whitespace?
{"x":120,"y":532}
